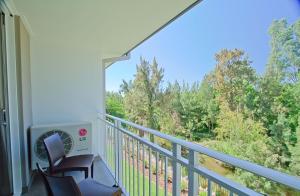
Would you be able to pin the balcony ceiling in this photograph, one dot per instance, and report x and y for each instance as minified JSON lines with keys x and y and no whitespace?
{"x":113,"y":26}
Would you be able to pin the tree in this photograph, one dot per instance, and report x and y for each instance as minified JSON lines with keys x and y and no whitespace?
{"x":295,"y":154}
{"x":142,"y":95}
{"x":233,"y":126}
{"x":245,"y":138}
{"x":234,"y":80}
{"x":284,"y":61}
{"x":189,"y":108}
{"x":278,"y":101}
{"x":255,"y":118}
{"x":114,"y":104}
{"x":209,"y":104}
{"x":198,"y":111}
{"x":170,"y":118}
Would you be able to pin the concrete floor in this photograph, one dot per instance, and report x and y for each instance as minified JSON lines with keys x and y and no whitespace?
{"x":101,"y":174}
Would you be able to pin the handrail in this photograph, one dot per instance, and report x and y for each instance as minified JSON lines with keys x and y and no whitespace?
{"x":273,"y":175}
{"x":226,"y":183}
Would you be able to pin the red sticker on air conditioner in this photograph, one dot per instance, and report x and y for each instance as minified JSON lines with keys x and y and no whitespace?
{"x":82,"y":132}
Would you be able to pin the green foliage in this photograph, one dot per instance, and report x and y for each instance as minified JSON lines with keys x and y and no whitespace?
{"x":142,"y":95}
{"x":233,"y":80}
{"x":232,"y":126}
{"x":295,"y":154}
{"x":189,"y":111}
{"x":246,"y":139}
{"x":169,"y":116}
{"x":114,"y":104}
{"x":196,"y":113}
{"x":233,"y":110}
{"x":285,"y":50}
{"x":279,"y":93}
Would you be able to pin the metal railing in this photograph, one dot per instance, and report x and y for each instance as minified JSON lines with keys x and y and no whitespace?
{"x":142,"y":167}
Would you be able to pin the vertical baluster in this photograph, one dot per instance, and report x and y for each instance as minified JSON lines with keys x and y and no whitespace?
{"x":107,"y":144}
{"x":129,"y":166}
{"x":166,"y":176}
{"x":120,"y":153}
{"x":150,"y":172}
{"x":109,"y":139}
{"x":115,"y":140}
{"x":114,"y":151}
{"x":123,"y":160}
{"x":138,"y":168}
{"x":107,"y":147}
{"x":192,"y":176}
{"x":117,"y":152}
{"x":111,"y":149}
{"x":133,"y":169}
{"x":156,"y":170}
{"x":104,"y":137}
{"x":126,"y":163}
{"x":231,"y":193}
{"x":109,"y":152}
{"x":176,"y":170}
{"x":208,"y":187}
{"x":143,"y":170}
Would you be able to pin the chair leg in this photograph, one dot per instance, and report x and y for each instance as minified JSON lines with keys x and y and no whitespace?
{"x":92,"y":170}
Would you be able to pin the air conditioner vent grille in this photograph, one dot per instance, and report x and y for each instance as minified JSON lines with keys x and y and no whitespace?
{"x":39,"y":147}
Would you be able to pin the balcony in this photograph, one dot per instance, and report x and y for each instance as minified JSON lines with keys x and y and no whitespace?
{"x":133,"y":160}
{"x":55,"y":54}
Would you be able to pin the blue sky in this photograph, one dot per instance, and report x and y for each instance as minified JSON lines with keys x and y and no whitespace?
{"x":186,"y":47}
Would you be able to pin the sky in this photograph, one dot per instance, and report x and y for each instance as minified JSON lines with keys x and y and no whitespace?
{"x":186,"y":48}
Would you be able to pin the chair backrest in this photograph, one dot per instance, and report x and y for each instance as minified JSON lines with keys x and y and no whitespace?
{"x":59,"y":186}
{"x":55,"y":149}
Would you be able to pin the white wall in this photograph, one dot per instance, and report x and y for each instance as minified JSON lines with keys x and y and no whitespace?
{"x":67,"y":85}
{"x":67,"y":82}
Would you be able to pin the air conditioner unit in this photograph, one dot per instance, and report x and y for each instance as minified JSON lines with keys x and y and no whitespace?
{"x":77,"y":139}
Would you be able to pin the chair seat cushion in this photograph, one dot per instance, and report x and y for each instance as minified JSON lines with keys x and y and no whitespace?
{"x":90,"y":187}
{"x":78,"y":162}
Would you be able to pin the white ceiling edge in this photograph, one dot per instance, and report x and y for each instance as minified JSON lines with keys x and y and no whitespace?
{"x":105,"y":54}
{"x":9,"y":4}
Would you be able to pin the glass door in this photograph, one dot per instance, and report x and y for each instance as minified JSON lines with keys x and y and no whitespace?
{"x":5,"y":153}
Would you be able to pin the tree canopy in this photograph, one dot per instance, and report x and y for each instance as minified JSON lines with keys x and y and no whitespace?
{"x":233,"y":109}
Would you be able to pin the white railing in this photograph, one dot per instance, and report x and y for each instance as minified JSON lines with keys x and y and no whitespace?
{"x":142,"y":167}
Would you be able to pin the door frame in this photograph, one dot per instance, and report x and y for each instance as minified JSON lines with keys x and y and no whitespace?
{"x":8,"y":8}
{"x":5,"y":96}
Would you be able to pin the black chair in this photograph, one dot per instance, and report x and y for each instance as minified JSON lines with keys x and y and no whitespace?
{"x":66,"y":186}
{"x":58,"y":161}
